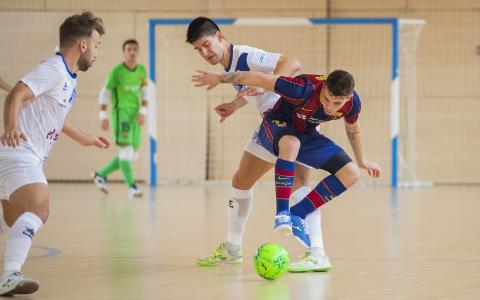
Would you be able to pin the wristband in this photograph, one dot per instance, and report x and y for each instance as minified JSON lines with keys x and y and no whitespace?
{"x":103,"y":115}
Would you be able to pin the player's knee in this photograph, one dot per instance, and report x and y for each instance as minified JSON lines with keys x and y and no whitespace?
{"x":349,"y":174}
{"x":241,"y":182}
{"x":41,"y":209}
{"x":288,"y":147}
{"x":289,"y":143}
{"x":43,"y":214}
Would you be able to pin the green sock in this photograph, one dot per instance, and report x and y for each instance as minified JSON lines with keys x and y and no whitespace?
{"x":126,"y":167}
{"x":111,"y":166}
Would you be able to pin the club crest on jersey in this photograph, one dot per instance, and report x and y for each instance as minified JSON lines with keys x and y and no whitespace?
{"x":65,"y":86}
{"x":301,"y":116}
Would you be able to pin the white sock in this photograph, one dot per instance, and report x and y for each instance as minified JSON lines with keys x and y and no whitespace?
{"x":20,"y":240}
{"x":317,"y":251}
{"x":314,"y":220}
{"x":238,"y":210}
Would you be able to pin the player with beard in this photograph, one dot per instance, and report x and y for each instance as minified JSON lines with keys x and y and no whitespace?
{"x":34,"y":116}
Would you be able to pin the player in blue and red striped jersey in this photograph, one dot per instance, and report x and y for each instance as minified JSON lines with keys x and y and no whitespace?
{"x":289,"y":131}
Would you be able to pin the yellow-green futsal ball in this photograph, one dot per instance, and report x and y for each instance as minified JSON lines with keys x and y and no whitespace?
{"x":271,"y":261}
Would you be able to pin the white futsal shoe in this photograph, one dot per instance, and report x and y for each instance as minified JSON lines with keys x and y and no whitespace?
{"x":100,"y":182}
{"x":14,"y":283}
{"x":310,"y":263}
{"x":134,"y":191}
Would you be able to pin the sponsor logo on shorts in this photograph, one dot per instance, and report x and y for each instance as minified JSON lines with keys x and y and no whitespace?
{"x":279,"y":123}
{"x":255,"y":138}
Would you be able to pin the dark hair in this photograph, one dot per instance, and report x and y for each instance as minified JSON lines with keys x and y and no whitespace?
{"x":78,"y":26}
{"x":129,"y":41}
{"x":340,"y":83}
{"x":200,"y":27}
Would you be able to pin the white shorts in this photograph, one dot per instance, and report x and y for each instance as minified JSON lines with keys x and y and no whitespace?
{"x":257,"y":150}
{"x":17,"y":171}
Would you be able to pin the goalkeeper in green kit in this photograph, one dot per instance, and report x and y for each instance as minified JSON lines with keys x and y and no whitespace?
{"x":126,"y":90}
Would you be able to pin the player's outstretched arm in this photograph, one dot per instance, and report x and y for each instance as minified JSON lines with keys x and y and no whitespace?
{"x":212,"y":79}
{"x":11,"y":135}
{"x":85,"y":139}
{"x":354,"y":137}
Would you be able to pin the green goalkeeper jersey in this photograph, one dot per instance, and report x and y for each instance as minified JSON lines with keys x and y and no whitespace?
{"x":125,"y":85}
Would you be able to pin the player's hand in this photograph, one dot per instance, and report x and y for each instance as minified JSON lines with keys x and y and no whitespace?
{"x":141,"y":119}
{"x":104,"y":124}
{"x":372,"y":168}
{"x":225,"y":110}
{"x":97,"y":141}
{"x":210,"y":79}
{"x":251,"y":91}
{"x":12,"y":137}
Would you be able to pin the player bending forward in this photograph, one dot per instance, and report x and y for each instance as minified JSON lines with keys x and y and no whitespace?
{"x":289,"y":131}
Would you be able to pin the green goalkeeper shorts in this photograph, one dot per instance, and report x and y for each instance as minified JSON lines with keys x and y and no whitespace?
{"x":125,"y":126}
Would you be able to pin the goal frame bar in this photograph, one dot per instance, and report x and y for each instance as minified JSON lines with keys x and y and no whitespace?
{"x":394,"y":88}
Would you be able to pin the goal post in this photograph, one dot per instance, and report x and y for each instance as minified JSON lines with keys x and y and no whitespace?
{"x":398,"y":159}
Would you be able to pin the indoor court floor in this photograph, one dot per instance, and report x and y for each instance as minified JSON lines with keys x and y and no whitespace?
{"x":413,"y":244}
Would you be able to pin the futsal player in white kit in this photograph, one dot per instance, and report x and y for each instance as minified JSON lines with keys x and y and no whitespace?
{"x":34,"y":117}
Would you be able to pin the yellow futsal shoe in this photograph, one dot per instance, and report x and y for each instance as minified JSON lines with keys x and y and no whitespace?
{"x":310,"y":263}
{"x":220,"y":256}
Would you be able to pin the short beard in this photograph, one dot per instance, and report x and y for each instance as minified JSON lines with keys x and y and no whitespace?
{"x":83,"y":64}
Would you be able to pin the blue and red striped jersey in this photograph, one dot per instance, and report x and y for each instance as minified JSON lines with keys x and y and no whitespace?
{"x":299,"y":104}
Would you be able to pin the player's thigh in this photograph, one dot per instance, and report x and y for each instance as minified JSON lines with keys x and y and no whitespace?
{"x":316,"y":150}
{"x":250,"y":169}
{"x":23,"y":184}
{"x":124,"y":126}
{"x":32,"y":197}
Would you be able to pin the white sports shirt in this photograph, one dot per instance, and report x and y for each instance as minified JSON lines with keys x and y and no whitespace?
{"x":245,"y":58}
{"x":54,"y":88}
